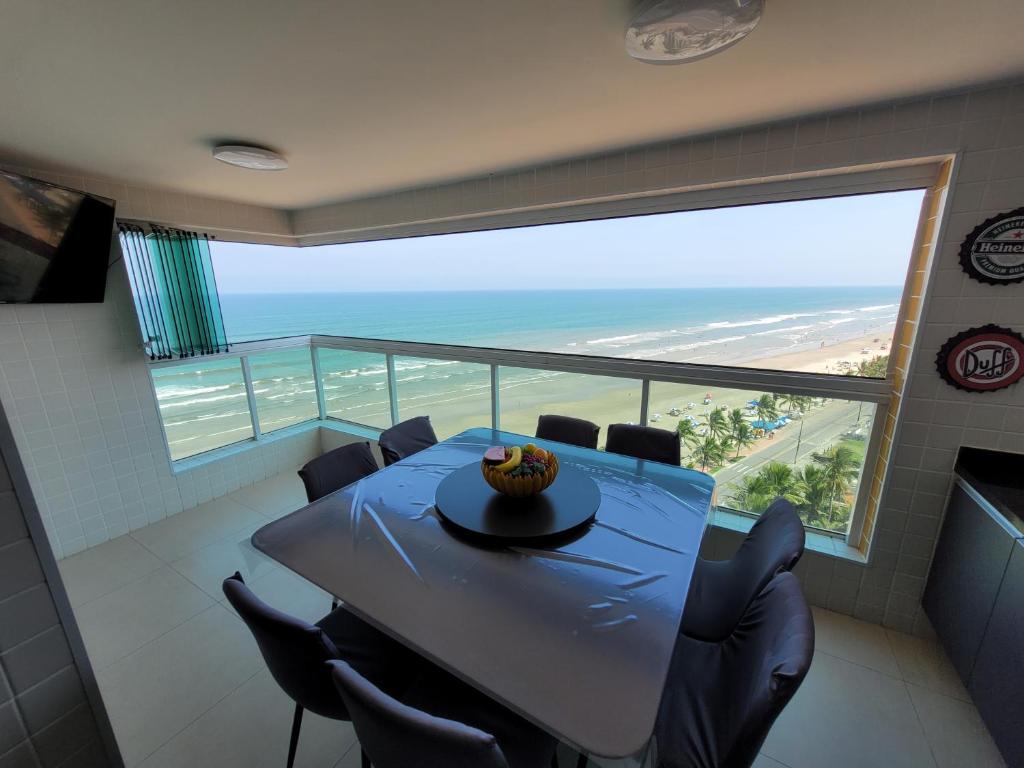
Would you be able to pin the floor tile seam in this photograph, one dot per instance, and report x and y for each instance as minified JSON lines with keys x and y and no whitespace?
{"x":77,"y":606}
{"x":891,"y":676}
{"x":118,"y":660}
{"x":143,"y":545}
{"x":190,"y":552}
{"x":202,"y":714}
{"x":920,"y":723}
{"x":927,"y":686}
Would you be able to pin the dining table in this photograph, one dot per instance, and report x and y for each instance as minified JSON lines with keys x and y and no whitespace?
{"x":575,"y":634}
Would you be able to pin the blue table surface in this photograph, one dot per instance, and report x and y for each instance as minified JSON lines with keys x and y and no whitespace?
{"x":576,"y":638}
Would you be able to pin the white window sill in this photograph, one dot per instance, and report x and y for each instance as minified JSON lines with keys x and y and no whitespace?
{"x":822,"y":543}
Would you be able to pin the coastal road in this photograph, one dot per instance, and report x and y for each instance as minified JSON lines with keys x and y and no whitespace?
{"x":822,"y":426}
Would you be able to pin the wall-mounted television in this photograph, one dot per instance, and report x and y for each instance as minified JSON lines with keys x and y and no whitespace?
{"x":54,"y":242}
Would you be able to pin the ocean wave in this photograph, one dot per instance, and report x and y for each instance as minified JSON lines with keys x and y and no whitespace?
{"x":613,"y":339}
{"x":783,"y":330}
{"x":842,"y":320}
{"x":683,"y":347}
{"x":876,"y":307}
{"x":769,"y":320}
{"x":186,"y":391}
{"x":165,"y":406}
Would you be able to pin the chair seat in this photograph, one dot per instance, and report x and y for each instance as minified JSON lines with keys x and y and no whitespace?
{"x":442,"y":695}
{"x":384,"y":661}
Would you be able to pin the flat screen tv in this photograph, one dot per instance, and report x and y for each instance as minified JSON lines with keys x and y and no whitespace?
{"x":54,"y":242}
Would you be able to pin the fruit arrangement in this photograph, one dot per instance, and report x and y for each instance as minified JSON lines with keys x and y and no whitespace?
{"x":520,"y":470}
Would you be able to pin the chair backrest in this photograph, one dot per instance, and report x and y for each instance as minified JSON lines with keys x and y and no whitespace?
{"x":337,"y":468}
{"x":648,"y":443}
{"x":566,"y":429}
{"x":295,"y":652}
{"x":394,"y":735}
{"x":721,"y":699}
{"x":406,"y":438}
{"x":722,"y":590}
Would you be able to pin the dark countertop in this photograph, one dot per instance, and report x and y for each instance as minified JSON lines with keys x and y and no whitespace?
{"x":997,"y":476}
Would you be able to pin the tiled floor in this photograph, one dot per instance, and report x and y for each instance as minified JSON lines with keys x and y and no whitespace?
{"x":185,"y":684}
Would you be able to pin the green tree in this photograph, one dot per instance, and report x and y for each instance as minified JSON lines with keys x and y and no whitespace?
{"x":766,"y":409}
{"x":708,"y":452}
{"x":686,"y":430}
{"x":775,"y":479}
{"x":742,"y":437}
{"x":717,"y":423}
{"x":789,"y":401}
{"x":736,"y":420}
{"x":753,"y":495}
{"x":816,"y":495}
{"x":840,"y":467}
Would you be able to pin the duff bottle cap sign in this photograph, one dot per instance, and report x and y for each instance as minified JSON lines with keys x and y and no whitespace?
{"x":982,"y":359}
{"x":994,"y":251}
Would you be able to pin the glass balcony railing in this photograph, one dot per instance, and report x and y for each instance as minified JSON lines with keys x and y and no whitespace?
{"x":763,"y":434}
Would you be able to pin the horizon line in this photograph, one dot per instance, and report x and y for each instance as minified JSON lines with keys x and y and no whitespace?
{"x":549,"y":290}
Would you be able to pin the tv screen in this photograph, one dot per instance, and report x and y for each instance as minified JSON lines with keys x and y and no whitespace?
{"x":54,"y":242}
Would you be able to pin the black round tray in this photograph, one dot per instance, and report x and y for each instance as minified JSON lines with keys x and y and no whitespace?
{"x":467,"y":503}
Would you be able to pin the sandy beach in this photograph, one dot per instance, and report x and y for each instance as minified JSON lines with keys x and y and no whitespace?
{"x":606,"y":401}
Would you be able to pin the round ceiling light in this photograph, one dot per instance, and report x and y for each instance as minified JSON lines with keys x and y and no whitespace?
{"x":253,"y":158}
{"x":678,"y":31}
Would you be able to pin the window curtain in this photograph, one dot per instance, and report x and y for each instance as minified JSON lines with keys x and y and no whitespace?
{"x":174,"y":289}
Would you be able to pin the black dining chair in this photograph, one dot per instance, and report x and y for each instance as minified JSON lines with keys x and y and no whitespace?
{"x":296,"y":653}
{"x":648,"y":443}
{"x":721,"y":699}
{"x":406,"y":438}
{"x":721,"y":590}
{"x":439,"y":723}
{"x":337,"y":468}
{"x":566,"y":429}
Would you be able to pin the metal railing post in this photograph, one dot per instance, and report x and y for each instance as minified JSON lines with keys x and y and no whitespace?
{"x":389,"y":359}
{"x":645,"y":396}
{"x":250,"y":396}
{"x":495,"y":398}
{"x":318,"y":382}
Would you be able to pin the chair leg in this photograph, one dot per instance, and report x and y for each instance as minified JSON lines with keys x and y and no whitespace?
{"x":582,"y":761}
{"x":365,"y":758}
{"x":334,"y":603}
{"x":294,"y":743}
{"x":554,"y":760}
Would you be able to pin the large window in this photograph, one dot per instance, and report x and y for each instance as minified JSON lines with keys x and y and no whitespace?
{"x":760,"y":300}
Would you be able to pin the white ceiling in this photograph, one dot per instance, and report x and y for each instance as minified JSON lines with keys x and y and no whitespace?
{"x":373,"y":95}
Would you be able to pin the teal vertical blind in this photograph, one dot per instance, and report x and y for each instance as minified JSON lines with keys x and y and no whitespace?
{"x":175,"y":291}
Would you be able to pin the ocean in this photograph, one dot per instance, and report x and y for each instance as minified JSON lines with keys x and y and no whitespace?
{"x":204,"y":405}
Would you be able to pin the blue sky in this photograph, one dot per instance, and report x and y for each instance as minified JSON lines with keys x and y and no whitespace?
{"x":864,"y":240}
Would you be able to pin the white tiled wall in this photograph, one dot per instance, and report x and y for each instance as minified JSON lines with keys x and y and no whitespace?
{"x":76,"y":388}
{"x":91,"y":411}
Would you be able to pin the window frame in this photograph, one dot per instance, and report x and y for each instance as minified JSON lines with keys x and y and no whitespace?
{"x":915,"y":173}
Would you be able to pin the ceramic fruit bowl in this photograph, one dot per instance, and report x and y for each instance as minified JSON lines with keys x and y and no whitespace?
{"x":519,"y":471}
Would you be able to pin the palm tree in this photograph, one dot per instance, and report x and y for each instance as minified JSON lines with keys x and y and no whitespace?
{"x":707,"y":451}
{"x":783,"y":481}
{"x":742,"y":436}
{"x":775,"y":479}
{"x":840,"y":467}
{"x":686,"y":430}
{"x":816,"y":496}
{"x":790,"y":401}
{"x":717,"y":423}
{"x":765,"y":409}
{"x":736,"y":418}
{"x":753,"y":495}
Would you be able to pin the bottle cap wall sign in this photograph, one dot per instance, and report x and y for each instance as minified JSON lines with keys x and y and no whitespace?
{"x":982,"y":359}
{"x":994,"y":251}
